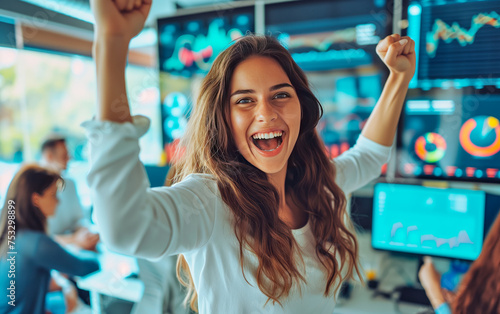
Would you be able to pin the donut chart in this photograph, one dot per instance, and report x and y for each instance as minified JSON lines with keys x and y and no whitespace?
{"x":480,"y":136}
{"x":430,"y":147}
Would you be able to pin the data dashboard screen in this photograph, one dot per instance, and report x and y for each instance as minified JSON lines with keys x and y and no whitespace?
{"x":457,"y":42}
{"x":189,"y":44}
{"x":332,"y":35}
{"x":428,"y":221}
{"x":455,"y":137}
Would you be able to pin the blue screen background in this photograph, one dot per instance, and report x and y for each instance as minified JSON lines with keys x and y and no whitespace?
{"x":428,"y":221}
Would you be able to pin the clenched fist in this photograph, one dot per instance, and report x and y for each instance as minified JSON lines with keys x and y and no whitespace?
{"x":398,"y":53}
{"x":119,"y":18}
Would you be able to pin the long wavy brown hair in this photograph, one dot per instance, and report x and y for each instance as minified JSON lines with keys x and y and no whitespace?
{"x":479,"y":290}
{"x":29,"y":179}
{"x":210,"y":148}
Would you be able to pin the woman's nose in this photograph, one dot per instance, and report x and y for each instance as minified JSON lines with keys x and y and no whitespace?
{"x":266,"y":112}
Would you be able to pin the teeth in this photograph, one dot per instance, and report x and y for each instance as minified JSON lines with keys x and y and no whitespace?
{"x":260,"y":136}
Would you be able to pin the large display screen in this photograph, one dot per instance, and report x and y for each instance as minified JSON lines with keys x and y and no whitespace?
{"x":451,"y":137}
{"x":188,"y":45}
{"x":428,"y":221}
{"x":334,"y":43}
{"x":457,"y":42}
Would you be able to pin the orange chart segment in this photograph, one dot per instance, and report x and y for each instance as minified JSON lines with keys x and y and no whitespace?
{"x":480,"y":136}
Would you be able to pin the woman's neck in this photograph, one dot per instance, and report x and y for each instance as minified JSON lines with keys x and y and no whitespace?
{"x":294,"y":216}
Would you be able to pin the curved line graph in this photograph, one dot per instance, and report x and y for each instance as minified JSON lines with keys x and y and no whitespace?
{"x":447,"y":33}
{"x":462,"y":238}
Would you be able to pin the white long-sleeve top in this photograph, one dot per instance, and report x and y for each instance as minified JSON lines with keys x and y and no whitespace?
{"x":191,"y":218}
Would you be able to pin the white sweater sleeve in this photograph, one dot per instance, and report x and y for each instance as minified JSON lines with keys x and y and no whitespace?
{"x":134,"y":219}
{"x":360,"y":164}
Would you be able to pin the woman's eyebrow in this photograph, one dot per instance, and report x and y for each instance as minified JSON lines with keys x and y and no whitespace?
{"x":278,"y":86}
{"x":243,"y":91}
{"x":251,"y":91}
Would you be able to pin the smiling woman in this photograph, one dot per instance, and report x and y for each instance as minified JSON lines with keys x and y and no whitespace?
{"x":259,"y":211}
{"x":270,"y":106}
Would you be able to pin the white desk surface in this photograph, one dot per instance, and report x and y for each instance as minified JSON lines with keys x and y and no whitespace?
{"x":111,"y":279}
{"x":108,"y":283}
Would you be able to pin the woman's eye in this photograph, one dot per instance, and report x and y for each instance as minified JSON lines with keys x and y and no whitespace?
{"x":244,"y":101}
{"x":281,"y":95}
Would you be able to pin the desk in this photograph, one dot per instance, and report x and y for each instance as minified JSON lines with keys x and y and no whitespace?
{"x":108,"y":283}
{"x":112,"y":280}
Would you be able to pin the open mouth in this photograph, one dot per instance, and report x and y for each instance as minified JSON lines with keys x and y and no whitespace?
{"x":269,"y":144}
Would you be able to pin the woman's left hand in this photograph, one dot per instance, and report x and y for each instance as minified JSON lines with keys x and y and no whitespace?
{"x":398,"y":53}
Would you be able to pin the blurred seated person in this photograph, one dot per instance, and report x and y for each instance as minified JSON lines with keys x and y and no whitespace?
{"x":479,"y":290}
{"x":68,"y":223}
{"x":31,"y":198}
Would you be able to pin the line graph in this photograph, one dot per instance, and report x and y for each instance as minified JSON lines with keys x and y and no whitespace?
{"x":458,"y":44}
{"x":424,"y":239}
{"x":319,"y":41}
{"x":462,"y":238}
{"x":448,"y":33}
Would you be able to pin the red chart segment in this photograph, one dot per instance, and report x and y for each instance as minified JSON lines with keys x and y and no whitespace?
{"x":480,"y":136}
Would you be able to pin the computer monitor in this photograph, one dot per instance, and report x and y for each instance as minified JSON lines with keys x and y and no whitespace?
{"x":428,"y":221}
{"x":457,"y":42}
{"x":448,"y":136}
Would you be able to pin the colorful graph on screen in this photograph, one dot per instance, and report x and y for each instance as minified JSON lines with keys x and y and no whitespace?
{"x":430,"y":147}
{"x":201,"y":50}
{"x":457,"y":41}
{"x":189,"y":44}
{"x":332,"y":35}
{"x":464,"y":36}
{"x":332,"y":49}
{"x":455,"y":138}
{"x":480,"y":136}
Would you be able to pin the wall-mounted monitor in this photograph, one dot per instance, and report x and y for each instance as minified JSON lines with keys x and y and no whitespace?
{"x":457,"y":42}
{"x":451,"y":137}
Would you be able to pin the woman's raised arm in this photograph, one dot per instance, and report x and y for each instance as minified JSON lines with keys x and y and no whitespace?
{"x":398,"y":53}
{"x":116,"y":23}
{"x":132,"y":218}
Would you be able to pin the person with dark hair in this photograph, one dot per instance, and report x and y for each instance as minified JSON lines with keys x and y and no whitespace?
{"x":258,"y":212}
{"x":68,"y":223}
{"x":479,"y":290}
{"x":31,"y":198}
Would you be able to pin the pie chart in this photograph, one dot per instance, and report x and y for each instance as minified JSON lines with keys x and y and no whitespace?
{"x":430,"y":147}
{"x":480,"y":136}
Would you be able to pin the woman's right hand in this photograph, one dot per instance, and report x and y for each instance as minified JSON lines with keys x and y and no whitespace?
{"x":119,"y":18}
